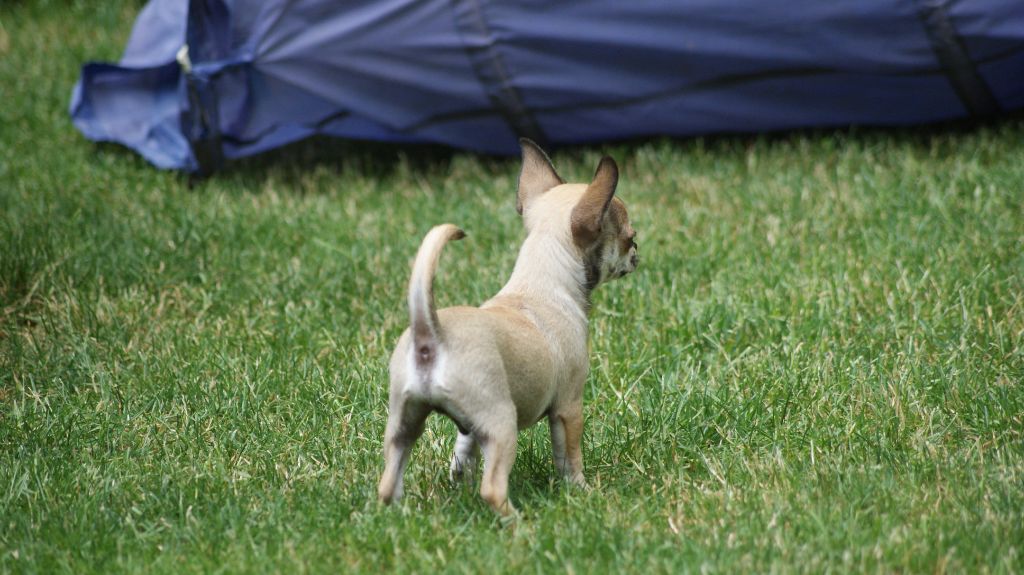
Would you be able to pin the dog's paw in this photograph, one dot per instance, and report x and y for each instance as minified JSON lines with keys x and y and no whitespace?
{"x":510,"y":519}
{"x":577,"y":481}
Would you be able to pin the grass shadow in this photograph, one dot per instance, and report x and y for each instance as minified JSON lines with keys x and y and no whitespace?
{"x":292,"y":163}
{"x":381,"y":159}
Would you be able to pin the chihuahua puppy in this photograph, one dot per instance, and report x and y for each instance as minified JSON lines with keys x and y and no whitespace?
{"x":522,"y":355}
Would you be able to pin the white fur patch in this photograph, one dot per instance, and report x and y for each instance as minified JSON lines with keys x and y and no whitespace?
{"x":425,"y":383}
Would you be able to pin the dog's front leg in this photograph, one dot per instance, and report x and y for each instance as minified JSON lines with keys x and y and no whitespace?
{"x":558,"y":444}
{"x":464,"y":459}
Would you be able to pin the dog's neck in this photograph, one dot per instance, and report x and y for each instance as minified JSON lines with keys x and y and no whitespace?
{"x":548,"y":270}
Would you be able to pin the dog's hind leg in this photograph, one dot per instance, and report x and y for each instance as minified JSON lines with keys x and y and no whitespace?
{"x":498,"y":441}
{"x":405,"y":425}
{"x":464,"y":458}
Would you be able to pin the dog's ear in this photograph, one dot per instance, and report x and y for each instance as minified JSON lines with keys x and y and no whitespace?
{"x":589,"y":212}
{"x":537,"y":175}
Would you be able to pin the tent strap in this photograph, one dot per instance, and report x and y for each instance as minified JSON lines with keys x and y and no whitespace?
{"x":951,"y":52}
{"x":491,"y":71}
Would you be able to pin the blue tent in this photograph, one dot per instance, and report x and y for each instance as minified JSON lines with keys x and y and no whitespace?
{"x":207,"y":80}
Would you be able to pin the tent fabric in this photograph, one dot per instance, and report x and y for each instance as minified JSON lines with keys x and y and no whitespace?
{"x":478,"y":74}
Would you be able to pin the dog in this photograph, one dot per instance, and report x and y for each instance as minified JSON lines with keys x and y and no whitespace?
{"x":522,"y":355}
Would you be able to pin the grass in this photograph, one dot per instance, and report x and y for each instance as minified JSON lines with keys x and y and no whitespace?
{"x":817,"y":368}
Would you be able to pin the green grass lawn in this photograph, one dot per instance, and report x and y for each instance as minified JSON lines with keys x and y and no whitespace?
{"x":817,"y":368}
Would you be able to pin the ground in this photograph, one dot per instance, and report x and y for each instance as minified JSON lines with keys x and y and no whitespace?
{"x":817,"y":367}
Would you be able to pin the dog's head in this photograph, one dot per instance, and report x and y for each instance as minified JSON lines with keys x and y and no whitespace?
{"x":587,"y":216}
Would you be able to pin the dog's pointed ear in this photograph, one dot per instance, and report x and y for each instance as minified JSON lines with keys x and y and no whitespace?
{"x":537,"y":175}
{"x":590,"y":211}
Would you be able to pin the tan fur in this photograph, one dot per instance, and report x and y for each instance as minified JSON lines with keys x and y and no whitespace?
{"x":587,"y":216}
{"x":522,"y":355}
{"x":422,"y":315}
{"x":535,"y":176}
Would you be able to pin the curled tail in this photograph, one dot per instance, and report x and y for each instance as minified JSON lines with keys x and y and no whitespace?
{"x":422,"y":313}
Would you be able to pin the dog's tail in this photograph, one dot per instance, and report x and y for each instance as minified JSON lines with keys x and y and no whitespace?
{"x":422,"y":313}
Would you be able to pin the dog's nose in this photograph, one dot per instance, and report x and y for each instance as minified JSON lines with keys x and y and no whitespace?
{"x":635,"y":260}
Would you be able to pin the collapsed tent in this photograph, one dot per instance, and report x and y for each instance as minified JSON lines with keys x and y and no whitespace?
{"x":205,"y":80}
